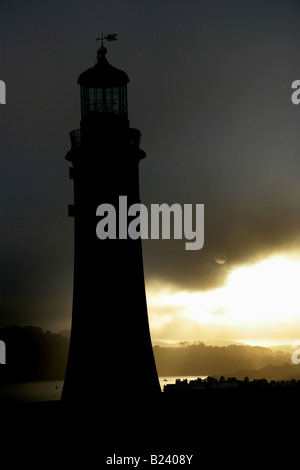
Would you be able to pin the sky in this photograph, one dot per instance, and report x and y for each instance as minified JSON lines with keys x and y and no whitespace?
{"x":210,"y":90}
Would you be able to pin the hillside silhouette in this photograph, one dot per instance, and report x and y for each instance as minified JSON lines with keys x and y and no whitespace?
{"x":233,"y":360}
{"x":33,"y":354}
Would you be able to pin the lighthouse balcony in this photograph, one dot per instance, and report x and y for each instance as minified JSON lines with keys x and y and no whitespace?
{"x":75,"y":137}
{"x":134,"y":137}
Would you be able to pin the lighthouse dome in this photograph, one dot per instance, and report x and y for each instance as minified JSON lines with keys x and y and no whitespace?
{"x":103,"y":74}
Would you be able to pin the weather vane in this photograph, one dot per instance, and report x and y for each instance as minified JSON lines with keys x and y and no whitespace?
{"x":109,"y":37}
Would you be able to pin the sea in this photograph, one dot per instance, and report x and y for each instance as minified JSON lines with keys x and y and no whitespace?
{"x":26,"y":392}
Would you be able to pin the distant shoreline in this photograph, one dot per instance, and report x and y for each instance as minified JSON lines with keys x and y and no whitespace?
{"x":231,"y":383}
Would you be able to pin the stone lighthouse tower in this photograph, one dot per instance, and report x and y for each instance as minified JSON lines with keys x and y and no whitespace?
{"x":110,"y":351}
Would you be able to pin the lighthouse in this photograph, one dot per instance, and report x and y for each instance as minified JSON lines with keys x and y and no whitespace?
{"x":110,"y":353}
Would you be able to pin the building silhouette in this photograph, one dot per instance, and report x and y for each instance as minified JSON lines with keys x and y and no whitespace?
{"x":110,"y":351}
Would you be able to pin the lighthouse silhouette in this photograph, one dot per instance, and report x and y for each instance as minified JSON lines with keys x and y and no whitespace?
{"x":110,"y":353}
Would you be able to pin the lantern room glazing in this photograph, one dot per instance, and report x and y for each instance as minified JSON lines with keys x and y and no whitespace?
{"x":95,"y":100}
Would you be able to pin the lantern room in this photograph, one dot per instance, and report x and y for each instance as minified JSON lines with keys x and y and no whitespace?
{"x":103,"y":90}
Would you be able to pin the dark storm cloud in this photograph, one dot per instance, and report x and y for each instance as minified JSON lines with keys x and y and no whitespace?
{"x":209,"y":89}
{"x":237,"y":149}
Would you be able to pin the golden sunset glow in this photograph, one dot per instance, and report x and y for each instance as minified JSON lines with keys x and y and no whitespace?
{"x":258,"y":304}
